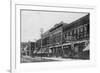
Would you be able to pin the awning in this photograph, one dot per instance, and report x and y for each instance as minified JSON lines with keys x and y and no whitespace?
{"x":35,"y":51}
{"x":41,"y":50}
{"x":87,"y":48}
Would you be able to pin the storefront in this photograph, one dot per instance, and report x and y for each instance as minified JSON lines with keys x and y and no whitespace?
{"x":67,"y":50}
{"x":78,"y":48}
{"x":57,"y":51}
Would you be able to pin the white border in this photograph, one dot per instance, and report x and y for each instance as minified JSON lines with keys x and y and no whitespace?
{"x":15,"y":56}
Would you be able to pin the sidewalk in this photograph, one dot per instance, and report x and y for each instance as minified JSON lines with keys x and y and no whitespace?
{"x":28,"y":59}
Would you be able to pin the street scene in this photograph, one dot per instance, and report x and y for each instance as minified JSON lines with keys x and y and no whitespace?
{"x":49,"y":36}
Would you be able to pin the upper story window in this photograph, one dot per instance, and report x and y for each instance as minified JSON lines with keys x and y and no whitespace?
{"x":85,"y":27}
{"x":75,"y":31}
{"x":71,"y":33}
{"x":81,"y":29}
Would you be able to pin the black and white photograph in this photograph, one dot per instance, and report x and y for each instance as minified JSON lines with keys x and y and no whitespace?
{"x":51,"y":36}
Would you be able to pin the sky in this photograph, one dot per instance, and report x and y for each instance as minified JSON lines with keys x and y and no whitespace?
{"x":33,"y":21}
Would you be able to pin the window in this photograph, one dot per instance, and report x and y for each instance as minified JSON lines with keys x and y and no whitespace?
{"x":71,"y":33}
{"x":85,"y":30}
{"x":68,"y":33}
{"x":81,"y":29}
{"x":67,"y":36}
{"x":85,"y":27}
{"x":74,"y":33}
{"x":77,"y":33}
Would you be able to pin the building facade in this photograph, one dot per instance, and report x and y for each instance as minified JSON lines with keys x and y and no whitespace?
{"x":56,"y":34}
{"x":76,"y":36}
{"x":66,"y":40}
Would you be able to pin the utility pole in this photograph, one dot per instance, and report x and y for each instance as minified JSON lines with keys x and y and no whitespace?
{"x":41,"y":30}
{"x":62,"y":43}
{"x":34,"y":45}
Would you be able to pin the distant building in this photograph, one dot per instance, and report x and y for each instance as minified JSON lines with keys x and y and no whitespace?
{"x":27,"y":48}
{"x":24,"y":48}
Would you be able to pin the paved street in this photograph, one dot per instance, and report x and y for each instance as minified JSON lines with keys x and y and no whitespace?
{"x":27,"y":59}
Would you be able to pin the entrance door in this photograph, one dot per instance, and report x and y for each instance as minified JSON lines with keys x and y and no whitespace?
{"x":78,"y":48}
{"x":67,"y":50}
{"x":59,"y":51}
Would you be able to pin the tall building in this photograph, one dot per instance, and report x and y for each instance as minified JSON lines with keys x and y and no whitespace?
{"x":56,"y":34}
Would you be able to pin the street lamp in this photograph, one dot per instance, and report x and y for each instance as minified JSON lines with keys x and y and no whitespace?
{"x":34,"y":52}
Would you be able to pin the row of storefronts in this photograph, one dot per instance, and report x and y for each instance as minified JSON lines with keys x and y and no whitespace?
{"x":64,"y":40}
